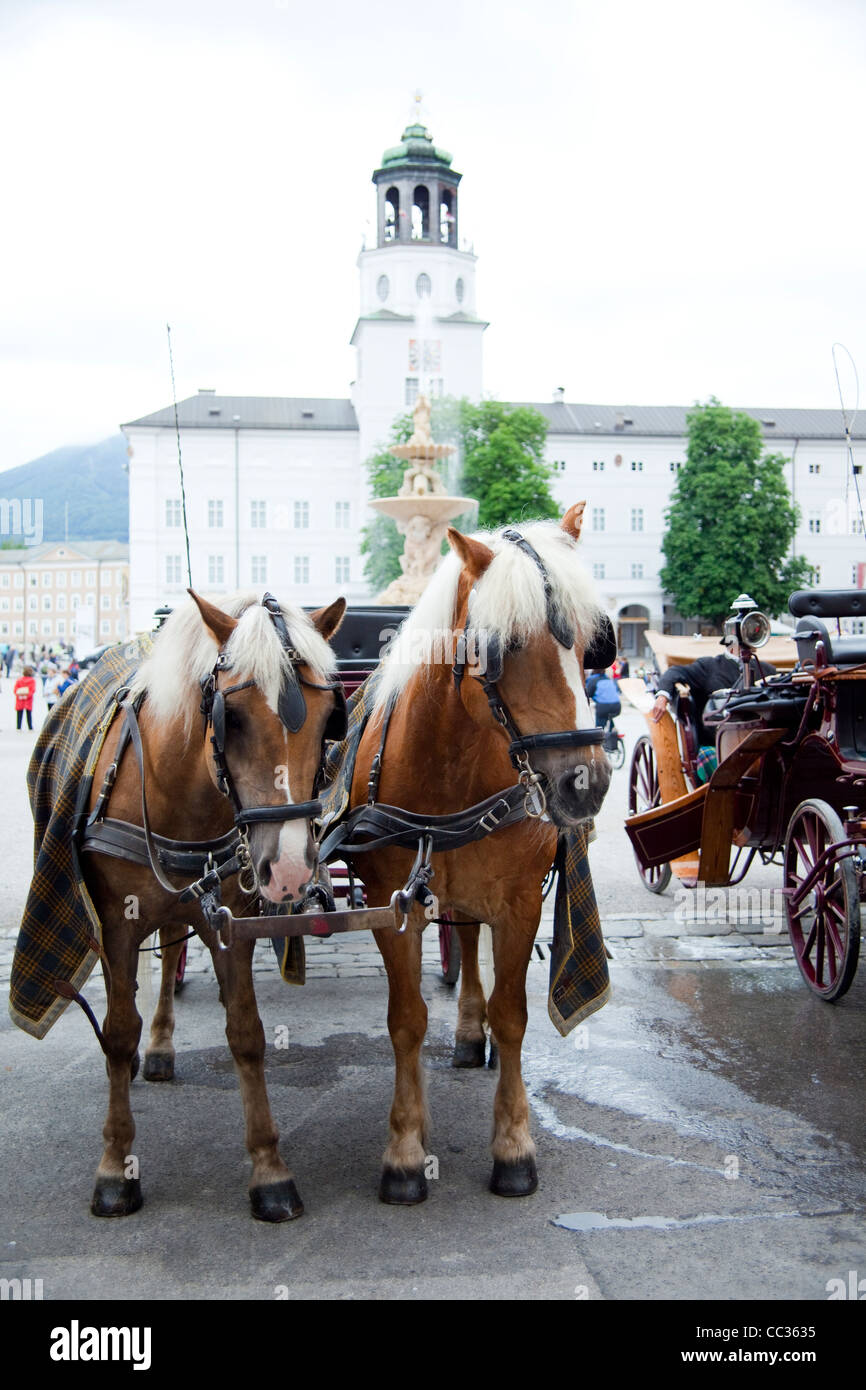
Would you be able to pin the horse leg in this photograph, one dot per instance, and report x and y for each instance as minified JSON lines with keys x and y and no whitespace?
{"x":514,"y":1171}
{"x":403,"y":1180}
{"x":117,"y":1191}
{"x":469,"y":1040}
{"x":159,"y":1057}
{"x":273,"y":1194}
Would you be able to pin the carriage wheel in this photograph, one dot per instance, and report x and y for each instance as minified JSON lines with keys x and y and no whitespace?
{"x":825,"y":927}
{"x":644,"y":793}
{"x":449,"y":952}
{"x":180,"y":972}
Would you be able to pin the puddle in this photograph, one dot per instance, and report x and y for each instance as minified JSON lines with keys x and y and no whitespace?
{"x":598,"y":1221}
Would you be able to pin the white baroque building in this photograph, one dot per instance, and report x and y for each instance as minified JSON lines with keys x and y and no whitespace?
{"x":276,"y":489}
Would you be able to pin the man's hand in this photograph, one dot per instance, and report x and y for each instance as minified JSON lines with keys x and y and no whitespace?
{"x":658,"y":708}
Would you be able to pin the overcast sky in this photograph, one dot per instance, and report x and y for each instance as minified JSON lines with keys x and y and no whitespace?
{"x":667,"y":199}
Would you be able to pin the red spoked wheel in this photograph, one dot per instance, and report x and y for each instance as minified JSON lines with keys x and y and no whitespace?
{"x":180,"y":972}
{"x":449,"y":952}
{"x":824,"y":922}
{"x":644,"y":793}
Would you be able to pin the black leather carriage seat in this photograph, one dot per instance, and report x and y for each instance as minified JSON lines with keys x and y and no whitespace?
{"x":812,"y":606}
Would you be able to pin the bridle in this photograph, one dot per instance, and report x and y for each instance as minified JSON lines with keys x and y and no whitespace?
{"x":292,"y":710}
{"x":522,"y":745}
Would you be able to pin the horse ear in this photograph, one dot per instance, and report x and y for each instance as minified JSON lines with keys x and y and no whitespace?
{"x":475,"y":555}
{"x":573,"y":520}
{"x":327,"y":620}
{"x":220,"y":625}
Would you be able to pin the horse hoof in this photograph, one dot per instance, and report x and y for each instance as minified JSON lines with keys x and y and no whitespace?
{"x":469,"y":1054}
{"x":276,"y":1201}
{"x":516,"y":1179}
{"x":116,"y":1196}
{"x":158,"y":1066}
{"x":402,"y":1187}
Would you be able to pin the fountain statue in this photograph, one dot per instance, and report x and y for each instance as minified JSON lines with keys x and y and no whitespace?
{"x":421,"y":509}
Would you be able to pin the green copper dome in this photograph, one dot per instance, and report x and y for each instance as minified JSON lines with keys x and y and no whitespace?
{"x":416,"y":147}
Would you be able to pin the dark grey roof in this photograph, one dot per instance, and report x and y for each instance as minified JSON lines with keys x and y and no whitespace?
{"x":207,"y":411}
{"x":670,"y":420}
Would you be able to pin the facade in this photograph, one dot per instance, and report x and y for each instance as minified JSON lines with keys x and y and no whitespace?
{"x":276,"y":488}
{"x":64,"y":593}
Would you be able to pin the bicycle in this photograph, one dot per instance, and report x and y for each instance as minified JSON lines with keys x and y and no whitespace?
{"x":614,"y":743}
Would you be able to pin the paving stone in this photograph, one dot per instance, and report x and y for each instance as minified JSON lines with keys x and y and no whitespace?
{"x":616,"y":927}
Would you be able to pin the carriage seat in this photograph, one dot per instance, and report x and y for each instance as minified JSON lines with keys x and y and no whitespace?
{"x":841,"y":651}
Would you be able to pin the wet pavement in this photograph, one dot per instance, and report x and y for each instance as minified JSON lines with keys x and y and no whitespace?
{"x":699,"y":1138}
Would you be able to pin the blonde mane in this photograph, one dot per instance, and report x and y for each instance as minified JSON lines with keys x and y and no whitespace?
{"x":184,"y":653}
{"x":509,"y":602}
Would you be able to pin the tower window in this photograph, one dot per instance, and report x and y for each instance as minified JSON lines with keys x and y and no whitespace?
{"x":423,"y":285}
{"x":382,"y":287}
{"x":392,"y":214}
{"x":447,"y":220}
{"x":460,"y":290}
{"x":421,"y":214}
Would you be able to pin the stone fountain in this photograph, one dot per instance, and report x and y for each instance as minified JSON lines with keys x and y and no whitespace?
{"x":421,"y":509}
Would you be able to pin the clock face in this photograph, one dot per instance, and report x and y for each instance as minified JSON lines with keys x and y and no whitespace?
{"x":383,"y":287}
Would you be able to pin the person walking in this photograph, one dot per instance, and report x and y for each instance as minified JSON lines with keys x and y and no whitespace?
{"x":24,"y":690}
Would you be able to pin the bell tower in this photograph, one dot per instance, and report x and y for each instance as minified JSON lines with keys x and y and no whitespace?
{"x":417,"y":329}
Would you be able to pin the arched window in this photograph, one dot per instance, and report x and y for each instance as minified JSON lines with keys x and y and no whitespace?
{"x":392,"y":214}
{"x":421,"y":213}
{"x":446,"y":218}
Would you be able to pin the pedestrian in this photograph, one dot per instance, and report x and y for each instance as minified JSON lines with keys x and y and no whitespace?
{"x":24,"y":690}
{"x":57,"y":685}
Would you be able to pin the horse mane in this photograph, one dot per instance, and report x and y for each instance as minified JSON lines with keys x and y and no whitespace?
{"x":184,"y":653}
{"x":509,"y":603}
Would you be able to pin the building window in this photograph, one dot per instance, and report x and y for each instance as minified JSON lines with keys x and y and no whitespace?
{"x":105,"y":601}
{"x":342,"y":515}
{"x":558,"y":465}
{"x":118,"y":627}
{"x":423,"y":286}
{"x":47,"y":577}
{"x":32,"y":603}
{"x":60,"y":579}
{"x":814,"y":523}
{"x":302,"y":569}
{"x":46,"y":603}
{"x":459,"y":290}
{"x":46,"y":628}
{"x":856,"y":526}
{"x":814,"y":468}
{"x":258,"y":515}
{"x":76,"y":599}
{"x":816,"y":574}
{"x":675,"y":467}
{"x":598,"y":570}
{"x":105,"y":628}
{"x":34,"y":581}
{"x":172,"y":573}
{"x":637,"y":518}
{"x":302,"y":516}
{"x":75,"y":577}
{"x":637,"y":571}
{"x":61,"y":627}
{"x":341,"y":564}
{"x":90,"y":579}
{"x":215,"y":512}
{"x":598,"y":465}
{"x":259,"y":569}
{"x":173,"y":514}
{"x":411,"y":392}
{"x":61,"y":603}
{"x":598,"y":518}
{"x":32,"y":628}
{"x":382,"y":286}
{"x":636,"y":466}
{"x":5,"y":581}
{"x":215,"y":569}
{"x":19,"y":581}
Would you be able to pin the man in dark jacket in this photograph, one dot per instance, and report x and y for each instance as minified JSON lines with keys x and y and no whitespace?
{"x":704,"y":677}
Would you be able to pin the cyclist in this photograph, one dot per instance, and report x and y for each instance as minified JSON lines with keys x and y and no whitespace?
{"x":604,"y":689}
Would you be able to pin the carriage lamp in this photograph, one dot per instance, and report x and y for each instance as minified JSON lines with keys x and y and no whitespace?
{"x":747,"y":630}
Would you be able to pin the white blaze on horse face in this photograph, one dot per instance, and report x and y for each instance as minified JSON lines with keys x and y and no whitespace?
{"x":571,"y":670}
{"x":290,"y":870}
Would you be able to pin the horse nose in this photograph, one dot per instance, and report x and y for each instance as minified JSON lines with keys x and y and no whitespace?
{"x":582,"y":788}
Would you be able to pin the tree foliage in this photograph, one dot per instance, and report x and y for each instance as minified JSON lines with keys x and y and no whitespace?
{"x":731,"y":521}
{"x":499,"y":461}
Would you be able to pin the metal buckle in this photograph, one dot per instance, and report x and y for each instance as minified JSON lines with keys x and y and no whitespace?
{"x":492,"y":817}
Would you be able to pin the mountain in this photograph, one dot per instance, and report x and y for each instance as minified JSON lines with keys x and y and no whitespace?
{"x":90,"y":478}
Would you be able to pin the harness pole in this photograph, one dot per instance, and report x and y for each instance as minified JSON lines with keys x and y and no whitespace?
{"x":179,"y":457}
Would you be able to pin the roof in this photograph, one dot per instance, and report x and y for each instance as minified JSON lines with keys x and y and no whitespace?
{"x":206,"y":410}
{"x":670,"y":420}
{"x":416,"y":147}
{"x":117,"y":551}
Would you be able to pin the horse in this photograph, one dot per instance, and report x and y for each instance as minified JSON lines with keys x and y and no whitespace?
{"x":262,"y":675}
{"x":438,"y":743}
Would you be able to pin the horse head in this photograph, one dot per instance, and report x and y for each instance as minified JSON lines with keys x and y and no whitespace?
{"x":525,"y":616}
{"x":269,"y":703}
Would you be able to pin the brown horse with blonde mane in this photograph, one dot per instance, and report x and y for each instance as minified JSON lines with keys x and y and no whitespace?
{"x":267,"y":693}
{"x":444,"y":745}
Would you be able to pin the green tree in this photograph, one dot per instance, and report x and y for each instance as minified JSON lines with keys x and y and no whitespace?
{"x":731,"y":521}
{"x":500,"y":461}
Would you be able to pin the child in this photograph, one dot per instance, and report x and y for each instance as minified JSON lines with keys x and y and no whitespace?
{"x":24,"y":689}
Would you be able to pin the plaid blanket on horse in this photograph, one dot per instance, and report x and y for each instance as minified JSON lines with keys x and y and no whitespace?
{"x":60,"y":921}
{"x":579,"y":982}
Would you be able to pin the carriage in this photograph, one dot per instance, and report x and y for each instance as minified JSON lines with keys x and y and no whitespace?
{"x":789,"y":786}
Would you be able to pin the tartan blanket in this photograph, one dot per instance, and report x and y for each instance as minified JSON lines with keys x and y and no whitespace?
{"x":59,"y":921}
{"x":579,"y":982}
